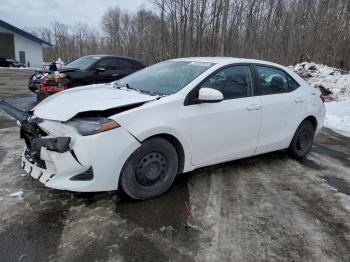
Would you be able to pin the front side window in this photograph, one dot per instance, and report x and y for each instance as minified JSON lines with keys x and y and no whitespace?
{"x":232,"y":82}
{"x":83,"y":62}
{"x":274,"y":81}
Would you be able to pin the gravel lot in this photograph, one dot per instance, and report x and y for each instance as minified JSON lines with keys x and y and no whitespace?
{"x":14,"y":81}
{"x":266,"y":208}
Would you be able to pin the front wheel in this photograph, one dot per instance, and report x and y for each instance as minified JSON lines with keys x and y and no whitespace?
{"x":150,"y":170}
{"x":302,"y":140}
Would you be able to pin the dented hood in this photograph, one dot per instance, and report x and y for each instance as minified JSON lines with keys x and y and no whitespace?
{"x":65,"y":105}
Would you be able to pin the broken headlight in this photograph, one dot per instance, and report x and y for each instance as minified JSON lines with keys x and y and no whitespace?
{"x":92,"y":125}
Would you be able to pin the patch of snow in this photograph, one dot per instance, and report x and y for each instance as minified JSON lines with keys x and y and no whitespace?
{"x":338,"y":116}
{"x":17,"y":194}
{"x":334,"y":83}
{"x":167,"y":229}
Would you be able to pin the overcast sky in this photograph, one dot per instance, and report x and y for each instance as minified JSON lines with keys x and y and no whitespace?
{"x":32,"y":13}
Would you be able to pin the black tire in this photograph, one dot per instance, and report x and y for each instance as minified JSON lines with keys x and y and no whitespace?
{"x":41,"y":96}
{"x":150,"y":170}
{"x":302,"y":140}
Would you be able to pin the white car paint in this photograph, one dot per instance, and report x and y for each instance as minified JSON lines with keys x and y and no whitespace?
{"x":209,"y":94}
{"x":209,"y":133}
{"x":64,"y":105}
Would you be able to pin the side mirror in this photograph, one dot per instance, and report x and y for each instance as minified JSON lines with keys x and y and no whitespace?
{"x":99,"y":70}
{"x":209,"y":95}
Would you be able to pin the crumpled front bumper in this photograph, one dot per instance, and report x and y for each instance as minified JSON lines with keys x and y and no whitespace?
{"x":102,"y":154}
{"x":68,"y":160}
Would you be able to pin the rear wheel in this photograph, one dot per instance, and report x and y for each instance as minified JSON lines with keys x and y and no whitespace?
{"x":302,"y":140}
{"x":150,"y":170}
{"x":41,"y":96}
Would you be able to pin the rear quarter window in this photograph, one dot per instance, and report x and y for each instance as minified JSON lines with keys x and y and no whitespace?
{"x":135,"y":65}
{"x":123,"y":64}
{"x":274,"y":81}
{"x":292,"y":84}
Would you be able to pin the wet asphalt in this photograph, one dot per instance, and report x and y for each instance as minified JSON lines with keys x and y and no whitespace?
{"x":51,"y":225}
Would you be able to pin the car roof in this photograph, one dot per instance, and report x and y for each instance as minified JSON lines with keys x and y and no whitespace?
{"x":122,"y":57}
{"x":226,"y":60}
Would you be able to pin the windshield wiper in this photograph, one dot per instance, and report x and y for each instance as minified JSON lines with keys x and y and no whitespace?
{"x":127,"y":86}
{"x":132,"y":88}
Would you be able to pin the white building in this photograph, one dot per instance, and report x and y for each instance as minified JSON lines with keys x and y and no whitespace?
{"x":20,"y":45}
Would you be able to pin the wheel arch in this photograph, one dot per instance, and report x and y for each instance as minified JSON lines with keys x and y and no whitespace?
{"x":178,"y":147}
{"x":312,"y":119}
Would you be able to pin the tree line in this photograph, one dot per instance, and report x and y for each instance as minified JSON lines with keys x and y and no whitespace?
{"x":283,"y":31}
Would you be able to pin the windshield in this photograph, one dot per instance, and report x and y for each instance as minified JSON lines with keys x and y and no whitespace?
{"x":83,"y":62}
{"x":165,"y":78}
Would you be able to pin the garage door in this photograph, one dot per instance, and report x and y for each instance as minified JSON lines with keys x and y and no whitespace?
{"x":7,"y":46}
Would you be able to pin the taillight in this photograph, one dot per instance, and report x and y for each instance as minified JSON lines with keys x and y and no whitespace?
{"x":322,"y":98}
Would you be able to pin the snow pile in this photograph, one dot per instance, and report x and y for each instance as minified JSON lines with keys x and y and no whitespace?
{"x":335,"y":86}
{"x":334,"y":83}
{"x":338,"y":116}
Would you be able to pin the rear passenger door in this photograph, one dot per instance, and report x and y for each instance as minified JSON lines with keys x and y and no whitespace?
{"x":282,"y":107}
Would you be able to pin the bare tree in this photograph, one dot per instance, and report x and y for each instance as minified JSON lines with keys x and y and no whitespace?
{"x":283,"y":31}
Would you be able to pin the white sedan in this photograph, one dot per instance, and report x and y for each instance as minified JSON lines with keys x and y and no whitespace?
{"x":138,"y":133}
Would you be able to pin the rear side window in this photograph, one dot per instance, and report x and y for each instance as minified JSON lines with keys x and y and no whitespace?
{"x":114,"y":64}
{"x":122,"y":64}
{"x":135,"y":65}
{"x":232,"y":82}
{"x":274,"y":81}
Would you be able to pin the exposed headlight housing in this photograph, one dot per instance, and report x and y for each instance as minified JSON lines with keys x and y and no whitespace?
{"x":92,"y":125}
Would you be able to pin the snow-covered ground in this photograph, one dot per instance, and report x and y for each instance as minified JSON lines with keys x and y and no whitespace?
{"x":338,"y":116}
{"x":335,"y":85}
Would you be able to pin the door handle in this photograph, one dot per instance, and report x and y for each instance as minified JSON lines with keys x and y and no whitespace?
{"x":115,"y":74}
{"x":253,"y":107}
{"x":299,"y":100}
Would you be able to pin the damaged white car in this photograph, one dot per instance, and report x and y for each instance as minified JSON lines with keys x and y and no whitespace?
{"x":138,"y":133}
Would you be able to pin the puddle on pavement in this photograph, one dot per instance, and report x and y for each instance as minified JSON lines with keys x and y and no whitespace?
{"x":149,"y":251}
{"x":6,"y":122}
{"x":311,"y":164}
{"x":34,"y":239}
{"x":170,"y":209}
{"x":2,"y":154}
{"x":338,"y":183}
{"x":333,"y":153}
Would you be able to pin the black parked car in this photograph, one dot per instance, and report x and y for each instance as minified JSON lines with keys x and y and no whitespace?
{"x":90,"y":70}
{"x":9,"y":62}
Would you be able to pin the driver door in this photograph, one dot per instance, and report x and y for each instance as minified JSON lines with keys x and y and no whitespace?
{"x":228,"y":129}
